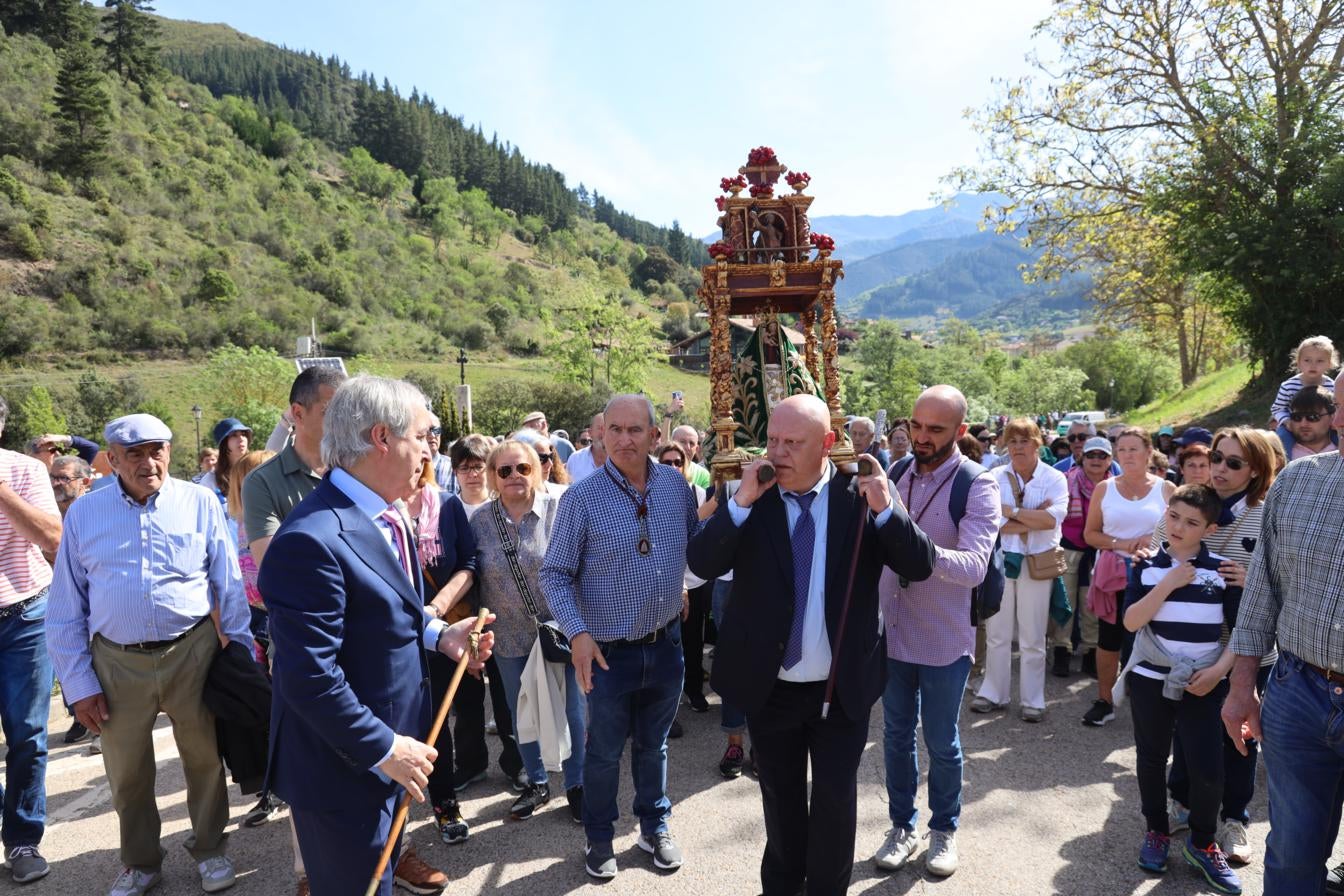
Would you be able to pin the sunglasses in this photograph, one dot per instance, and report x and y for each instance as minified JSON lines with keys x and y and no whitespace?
{"x":670,"y":461}
{"x":1096,"y":455}
{"x":1233,"y":463}
{"x":436,"y":430}
{"x":1299,"y":416}
{"x":984,"y":440}
{"x":545,"y":458}
{"x":504,"y":472}
{"x":585,"y":442}
{"x":1078,"y":437}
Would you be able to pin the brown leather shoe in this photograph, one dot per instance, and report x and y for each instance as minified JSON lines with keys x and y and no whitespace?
{"x":302,"y":889}
{"x":416,"y":875}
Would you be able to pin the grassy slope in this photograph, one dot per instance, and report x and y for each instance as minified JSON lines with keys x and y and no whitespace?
{"x":1228,"y":397}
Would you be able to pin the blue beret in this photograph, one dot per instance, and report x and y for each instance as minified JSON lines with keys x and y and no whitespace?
{"x":136,"y":429}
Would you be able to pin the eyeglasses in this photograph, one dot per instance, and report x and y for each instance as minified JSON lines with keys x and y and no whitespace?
{"x":1078,"y":437}
{"x":670,"y":461}
{"x":64,"y":479}
{"x":1232,"y":463}
{"x":984,"y":440}
{"x":504,"y":472}
{"x":52,"y":449}
{"x":545,"y":458}
{"x":1096,"y":455}
{"x":585,"y":442}
{"x":471,"y":469}
{"x":436,"y":430}
{"x":1299,"y":416}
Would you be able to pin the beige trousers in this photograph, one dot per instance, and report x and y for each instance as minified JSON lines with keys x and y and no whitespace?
{"x":138,"y":686}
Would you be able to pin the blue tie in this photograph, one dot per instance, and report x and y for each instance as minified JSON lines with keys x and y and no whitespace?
{"x":804,"y":542}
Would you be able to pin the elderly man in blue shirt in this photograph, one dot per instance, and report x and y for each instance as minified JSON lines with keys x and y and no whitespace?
{"x":141,"y":568}
{"x":613,"y":578}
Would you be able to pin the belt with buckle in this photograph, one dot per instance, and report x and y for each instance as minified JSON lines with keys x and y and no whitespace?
{"x":1328,"y":674}
{"x":151,"y":646}
{"x":22,"y":605}
{"x":652,"y":637}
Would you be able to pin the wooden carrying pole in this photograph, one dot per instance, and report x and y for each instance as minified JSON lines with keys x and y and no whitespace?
{"x":864,"y":468}
{"x":404,"y":804}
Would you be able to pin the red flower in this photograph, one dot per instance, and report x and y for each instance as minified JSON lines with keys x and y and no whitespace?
{"x":823,"y":242}
{"x":798,"y":178}
{"x":727,"y":183}
{"x":762,"y":155}
{"x":762,"y":190}
{"x":720,"y":249}
{"x":720,"y":202}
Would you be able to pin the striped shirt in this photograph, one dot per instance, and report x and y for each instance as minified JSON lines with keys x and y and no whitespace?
{"x":1287,"y":389}
{"x":1190,"y":621}
{"x":1295,"y":585}
{"x":140,"y":572}
{"x":594,"y":578}
{"x":23,"y":571}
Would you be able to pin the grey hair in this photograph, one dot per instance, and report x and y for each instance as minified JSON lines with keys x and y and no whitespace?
{"x":1088,"y":425}
{"x":361,"y":403}
{"x":81,"y":466}
{"x":632,"y":396}
{"x":866,"y":421}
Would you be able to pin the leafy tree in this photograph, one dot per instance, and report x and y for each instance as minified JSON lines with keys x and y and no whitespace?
{"x":246,"y":381}
{"x":373,"y":178}
{"x":216,"y":287}
{"x":657,"y":266}
{"x":1125,"y":369}
{"x":1032,"y":385}
{"x":440,"y":209}
{"x":1222,"y":114}
{"x":82,"y":105}
{"x":130,"y":36}
{"x":34,"y":415}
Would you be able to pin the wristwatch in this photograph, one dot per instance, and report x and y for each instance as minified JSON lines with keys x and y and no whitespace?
{"x":1013,"y":515}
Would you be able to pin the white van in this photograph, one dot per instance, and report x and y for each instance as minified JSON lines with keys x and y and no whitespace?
{"x":1096,"y":418}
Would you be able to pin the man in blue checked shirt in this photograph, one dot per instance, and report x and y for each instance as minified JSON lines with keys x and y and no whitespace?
{"x":141,"y":567}
{"x":612,"y":579}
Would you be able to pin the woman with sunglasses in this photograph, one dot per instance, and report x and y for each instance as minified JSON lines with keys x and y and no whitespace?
{"x":1242,"y":469}
{"x":554,"y":475}
{"x":523,"y":512}
{"x":1124,"y":513}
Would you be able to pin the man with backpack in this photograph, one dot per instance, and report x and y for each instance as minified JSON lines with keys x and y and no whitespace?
{"x":930,"y":625}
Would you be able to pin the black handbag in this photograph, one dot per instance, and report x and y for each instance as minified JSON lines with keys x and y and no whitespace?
{"x":554,"y":644}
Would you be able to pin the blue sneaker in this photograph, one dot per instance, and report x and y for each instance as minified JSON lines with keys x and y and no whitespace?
{"x":1153,"y":853}
{"x":1212,"y":863}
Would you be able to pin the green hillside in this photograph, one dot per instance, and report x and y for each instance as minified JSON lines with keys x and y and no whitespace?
{"x":211,"y":221}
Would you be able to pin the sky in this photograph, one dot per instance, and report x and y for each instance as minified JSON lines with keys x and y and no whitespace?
{"x":651,"y":103}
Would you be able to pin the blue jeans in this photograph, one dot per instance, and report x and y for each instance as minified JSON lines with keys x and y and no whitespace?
{"x":576,"y":711}
{"x":635,"y":697}
{"x":25,"y":702}
{"x":1302,"y":723}
{"x":731,"y":719}
{"x":932,"y":694}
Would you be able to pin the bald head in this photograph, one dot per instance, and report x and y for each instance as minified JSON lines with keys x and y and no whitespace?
{"x":689,"y":440}
{"x":798,"y":440}
{"x":938,"y":421}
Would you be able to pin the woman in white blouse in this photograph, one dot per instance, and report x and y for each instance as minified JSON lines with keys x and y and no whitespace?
{"x":1035,"y":500}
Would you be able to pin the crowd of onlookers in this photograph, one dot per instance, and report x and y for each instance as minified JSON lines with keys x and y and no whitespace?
{"x":1196,"y":575}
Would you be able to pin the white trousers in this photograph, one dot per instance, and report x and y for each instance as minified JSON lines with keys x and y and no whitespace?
{"x":1026,"y":607}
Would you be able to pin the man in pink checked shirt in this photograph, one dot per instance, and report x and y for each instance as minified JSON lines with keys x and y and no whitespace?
{"x":930,"y":638}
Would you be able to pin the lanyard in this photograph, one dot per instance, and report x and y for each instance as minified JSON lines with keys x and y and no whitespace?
{"x":641,"y":511}
{"x":910,"y":495}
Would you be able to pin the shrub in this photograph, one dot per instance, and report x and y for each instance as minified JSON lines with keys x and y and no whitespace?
{"x":23,"y":239}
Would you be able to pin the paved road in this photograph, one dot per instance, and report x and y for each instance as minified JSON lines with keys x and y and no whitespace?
{"x":1049,"y":808}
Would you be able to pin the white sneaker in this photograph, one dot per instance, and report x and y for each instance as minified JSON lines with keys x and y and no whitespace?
{"x":941,"y":859}
{"x":1232,"y":838}
{"x":132,"y":882}
{"x":1178,"y":816}
{"x":896,"y":849}
{"x":216,"y":874}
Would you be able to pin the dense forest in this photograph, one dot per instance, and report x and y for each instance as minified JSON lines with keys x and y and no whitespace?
{"x":145,"y":212}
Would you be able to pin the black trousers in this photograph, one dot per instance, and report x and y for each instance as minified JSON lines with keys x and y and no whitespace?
{"x":461,"y":746}
{"x":693,"y":637}
{"x":809,"y":843}
{"x":1156,"y":720}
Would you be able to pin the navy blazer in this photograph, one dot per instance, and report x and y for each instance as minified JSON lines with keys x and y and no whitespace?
{"x":350,"y":668}
{"x":759,"y":612}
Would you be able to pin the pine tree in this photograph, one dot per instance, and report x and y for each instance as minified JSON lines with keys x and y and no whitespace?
{"x":82,"y":106}
{"x":130,"y":40}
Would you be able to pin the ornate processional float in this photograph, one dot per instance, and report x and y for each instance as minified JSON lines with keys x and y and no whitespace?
{"x":768,"y":263}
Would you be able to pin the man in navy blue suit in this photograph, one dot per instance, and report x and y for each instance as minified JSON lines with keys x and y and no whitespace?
{"x":351,"y":706}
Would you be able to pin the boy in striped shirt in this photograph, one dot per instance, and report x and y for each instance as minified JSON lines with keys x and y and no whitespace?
{"x":1176,"y":604}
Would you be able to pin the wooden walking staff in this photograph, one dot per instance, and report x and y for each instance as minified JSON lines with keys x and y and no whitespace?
{"x":865,"y":469}
{"x":404,"y":804}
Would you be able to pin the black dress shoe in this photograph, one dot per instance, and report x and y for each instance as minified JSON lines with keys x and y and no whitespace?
{"x":1061,"y":666}
{"x":76,"y":733}
{"x":532,"y":799}
{"x":697,"y":702}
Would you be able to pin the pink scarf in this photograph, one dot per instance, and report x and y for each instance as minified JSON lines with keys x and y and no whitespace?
{"x":1108,"y":582}
{"x":427,"y":525}
{"x":1080,"y":498}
